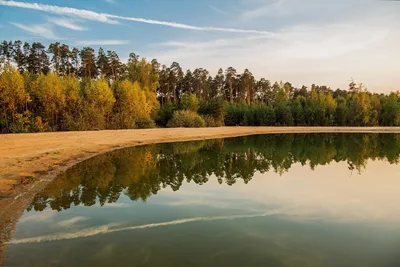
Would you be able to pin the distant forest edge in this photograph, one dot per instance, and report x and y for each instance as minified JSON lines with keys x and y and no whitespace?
{"x":63,"y":89}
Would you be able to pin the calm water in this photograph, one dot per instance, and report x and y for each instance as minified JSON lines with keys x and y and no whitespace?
{"x":275,"y":200}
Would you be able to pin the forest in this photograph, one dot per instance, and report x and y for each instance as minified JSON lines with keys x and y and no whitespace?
{"x":62,"y":88}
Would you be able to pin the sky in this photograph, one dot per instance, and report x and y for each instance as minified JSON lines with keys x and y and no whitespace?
{"x":300,"y":41}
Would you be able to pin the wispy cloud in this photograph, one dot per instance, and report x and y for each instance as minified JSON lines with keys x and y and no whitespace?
{"x":301,"y":54}
{"x":39,"y":30}
{"x":218,"y":10}
{"x":72,"y":221}
{"x":84,"y":14}
{"x":46,"y":215}
{"x":276,"y":7}
{"x":106,"y":229}
{"x":217,"y":43}
{"x":188,"y":27}
{"x":102,"y":42}
{"x":113,"y":19}
{"x":67,"y":23}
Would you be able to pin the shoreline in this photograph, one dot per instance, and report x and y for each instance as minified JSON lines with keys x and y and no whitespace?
{"x":28,"y":158}
{"x":28,"y":162}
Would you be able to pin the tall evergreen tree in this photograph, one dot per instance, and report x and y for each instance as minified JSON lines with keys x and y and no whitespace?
{"x":18,"y":56}
{"x":103,"y":64}
{"x":230,"y":75}
{"x":88,"y":63}
{"x":115,"y":65}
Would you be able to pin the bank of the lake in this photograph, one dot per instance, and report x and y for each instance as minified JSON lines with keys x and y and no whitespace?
{"x":28,"y":157}
{"x":29,"y":161}
{"x":247,"y":192}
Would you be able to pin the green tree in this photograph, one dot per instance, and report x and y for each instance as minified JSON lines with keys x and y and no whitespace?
{"x":230,"y":75}
{"x":88,"y":63}
{"x":189,"y":102}
{"x":391,"y":110}
{"x":18,"y":56}
{"x":103,"y":64}
{"x":115,"y":65}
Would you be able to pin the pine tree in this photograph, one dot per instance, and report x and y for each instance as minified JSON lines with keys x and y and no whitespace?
{"x":88,"y":63}
{"x":103,"y":64}
{"x":230,"y":75}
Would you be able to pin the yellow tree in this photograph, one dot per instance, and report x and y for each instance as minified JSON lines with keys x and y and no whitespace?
{"x":131,"y":106}
{"x":360,"y":107}
{"x":143,"y":73}
{"x":13,"y":95}
{"x":72,"y":92}
{"x":100,"y":101}
{"x":330,"y":107}
{"x":375,"y":110}
{"x":73,"y":102}
{"x":51,"y":94}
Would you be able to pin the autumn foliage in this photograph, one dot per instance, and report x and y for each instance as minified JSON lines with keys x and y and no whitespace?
{"x":63,"y":89}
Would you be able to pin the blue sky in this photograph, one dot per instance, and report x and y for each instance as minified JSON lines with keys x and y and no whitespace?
{"x":301,"y":41}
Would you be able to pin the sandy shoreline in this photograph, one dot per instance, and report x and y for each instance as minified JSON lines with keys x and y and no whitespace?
{"x":25,"y":158}
{"x":29,"y":161}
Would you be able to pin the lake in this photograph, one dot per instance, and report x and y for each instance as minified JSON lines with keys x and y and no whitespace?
{"x":267,"y":200}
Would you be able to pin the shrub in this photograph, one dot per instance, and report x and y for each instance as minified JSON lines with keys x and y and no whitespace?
{"x":186,"y":118}
{"x":165,"y":114}
{"x":144,"y":123}
{"x":212,"y":122}
{"x":264,"y":115}
{"x":234,"y":114}
{"x":214,"y":108}
{"x":38,"y":125}
{"x":21,"y":123}
{"x":189,"y":102}
{"x":284,"y":116}
{"x":249,"y":115}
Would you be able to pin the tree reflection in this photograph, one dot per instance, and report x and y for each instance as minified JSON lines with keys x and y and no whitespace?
{"x":140,"y":172}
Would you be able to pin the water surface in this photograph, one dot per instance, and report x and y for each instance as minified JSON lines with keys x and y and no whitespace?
{"x":270,"y":200}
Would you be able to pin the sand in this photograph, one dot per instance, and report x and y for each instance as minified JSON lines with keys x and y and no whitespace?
{"x":29,"y":161}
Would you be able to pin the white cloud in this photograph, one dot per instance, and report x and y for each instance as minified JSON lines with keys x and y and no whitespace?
{"x":102,"y":42}
{"x":44,"y":216}
{"x":328,"y":54}
{"x":308,"y":9}
{"x":218,"y":10}
{"x":84,"y":14}
{"x":217,"y":43}
{"x":67,"y":23}
{"x":276,"y":8}
{"x":72,"y":221}
{"x":87,"y":232}
{"x":188,"y":27}
{"x":109,"y":18}
{"x":40,"y":30}
{"x":106,"y":229}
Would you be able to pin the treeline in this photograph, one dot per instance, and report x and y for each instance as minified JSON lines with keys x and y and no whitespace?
{"x":61,"y":88}
{"x":104,"y":178}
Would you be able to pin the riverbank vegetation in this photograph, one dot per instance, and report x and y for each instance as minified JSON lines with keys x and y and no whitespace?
{"x":63,"y":89}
